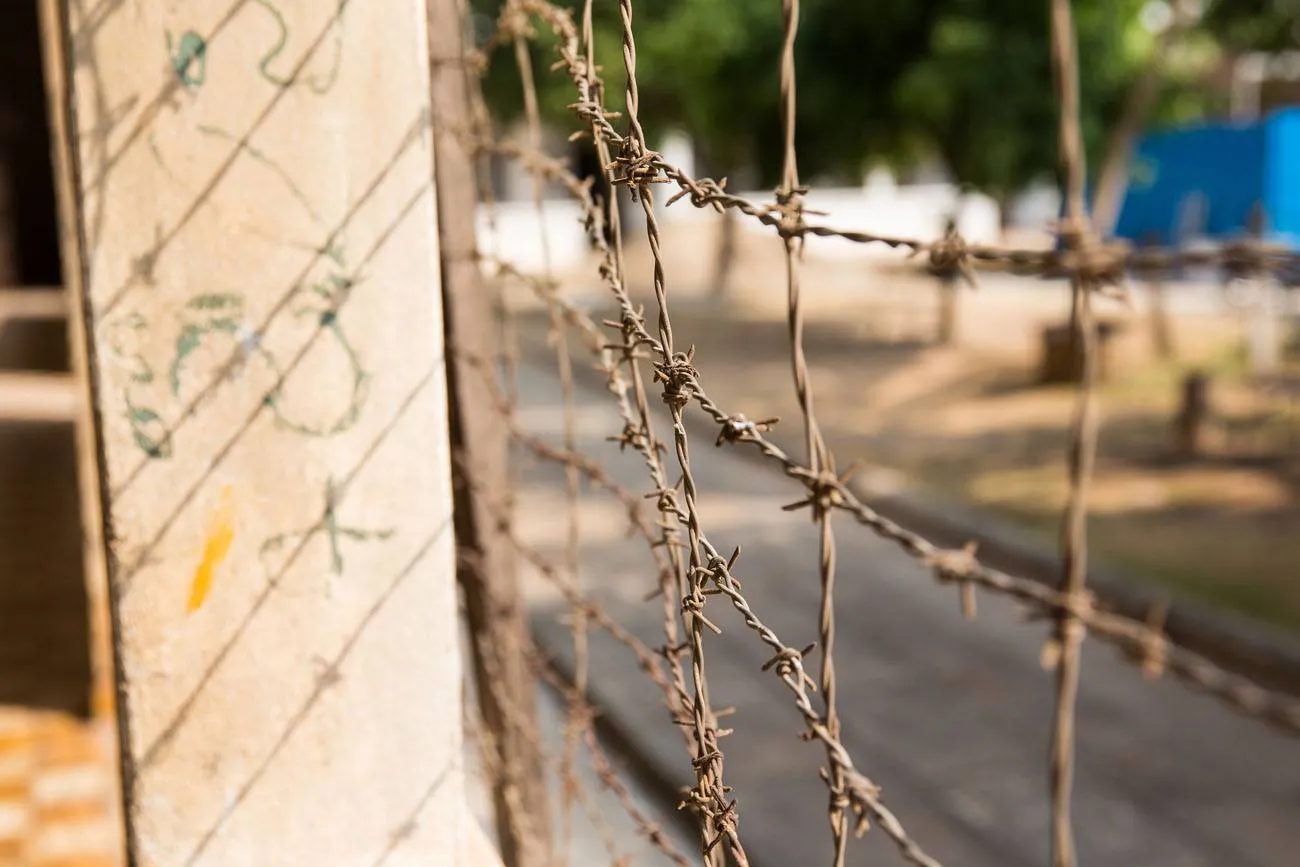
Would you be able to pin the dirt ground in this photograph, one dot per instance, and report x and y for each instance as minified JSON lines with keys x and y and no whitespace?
{"x":970,"y":421}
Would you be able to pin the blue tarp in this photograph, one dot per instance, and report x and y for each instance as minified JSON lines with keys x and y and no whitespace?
{"x":1229,"y":168}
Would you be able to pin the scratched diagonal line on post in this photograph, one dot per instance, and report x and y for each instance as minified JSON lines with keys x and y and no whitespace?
{"x":120,"y":294}
{"x":126,"y":577}
{"x":233,"y":358}
{"x":1089,"y":263}
{"x":404,"y":830}
{"x":326,"y":679}
{"x":169,"y":732}
{"x":82,"y":46}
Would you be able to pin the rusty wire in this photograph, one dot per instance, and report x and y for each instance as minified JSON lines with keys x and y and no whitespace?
{"x":583,"y":717}
{"x":1140,"y":641}
{"x":790,"y":199}
{"x":711,"y":571}
{"x":1137,"y":639}
{"x":691,"y":569}
{"x":559,"y":339}
{"x":1065,"y":651}
{"x":1108,"y":261}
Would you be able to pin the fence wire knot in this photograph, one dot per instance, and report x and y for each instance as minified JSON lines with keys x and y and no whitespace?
{"x":514,"y":22}
{"x":632,"y":324}
{"x":737,"y":428}
{"x":636,"y":167}
{"x":788,"y":663}
{"x":666,"y":500}
{"x":693,"y":607}
{"x":824,"y":493}
{"x":703,"y":192}
{"x":951,"y":254}
{"x":718,"y":570}
{"x":679,"y":376}
{"x":957,"y":566}
{"x":1076,"y":610}
{"x":789,"y":204}
{"x":863,"y":795}
{"x":1086,"y":258}
{"x":630,"y":436}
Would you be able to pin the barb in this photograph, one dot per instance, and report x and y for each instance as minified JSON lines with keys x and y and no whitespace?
{"x":690,"y":568}
{"x":559,"y":339}
{"x":1119,"y":257}
{"x":584,"y":720}
{"x":1134,"y":638}
{"x":790,"y":198}
{"x":709,"y":797}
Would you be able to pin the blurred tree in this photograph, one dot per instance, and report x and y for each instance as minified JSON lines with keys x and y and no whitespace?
{"x":1254,"y":25}
{"x":982,"y":94}
{"x":892,"y":81}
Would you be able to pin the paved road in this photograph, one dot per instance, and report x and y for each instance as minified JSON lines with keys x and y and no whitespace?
{"x":950,"y":717}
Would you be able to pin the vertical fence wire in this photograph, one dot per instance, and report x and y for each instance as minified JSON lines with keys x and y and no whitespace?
{"x":690,"y":568}
{"x":1076,"y":236}
{"x":790,"y":198}
{"x":559,"y":336}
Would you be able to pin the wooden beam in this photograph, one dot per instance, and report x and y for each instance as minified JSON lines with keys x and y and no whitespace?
{"x":253,"y":252}
{"x":36,"y":396}
{"x":494,"y":607}
{"x":33,"y":303}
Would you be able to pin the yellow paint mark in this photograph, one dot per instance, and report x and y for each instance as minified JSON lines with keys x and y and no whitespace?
{"x":215,"y":550}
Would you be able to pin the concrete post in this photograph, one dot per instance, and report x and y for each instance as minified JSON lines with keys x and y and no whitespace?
{"x":251,"y":233}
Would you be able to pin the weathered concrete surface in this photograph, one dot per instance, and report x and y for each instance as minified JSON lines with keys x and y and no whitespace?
{"x":258,"y":260}
{"x":951,"y":717}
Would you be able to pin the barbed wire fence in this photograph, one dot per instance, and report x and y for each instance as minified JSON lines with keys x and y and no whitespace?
{"x":638,"y":359}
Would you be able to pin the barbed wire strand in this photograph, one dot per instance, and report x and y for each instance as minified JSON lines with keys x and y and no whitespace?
{"x":1064,"y":651}
{"x":558,"y":334}
{"x":790,"y":198}
{"x":1088,"y":266}
{"x":606,"y":775}
{"x":1111,"y":259}
{"x":718,"y":814}
{"x":1141,"y":642}
{"x":638,"y":428}
{"x":678,"y":381}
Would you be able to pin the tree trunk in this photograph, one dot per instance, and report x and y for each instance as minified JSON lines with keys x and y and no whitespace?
{"x":1004,"y":213}
{"x":1193,"y":415}
{"x":1161,"y":336}
{"x":949,"y":289}
{"x":724,"y":259}
{"x":1265,"y":329}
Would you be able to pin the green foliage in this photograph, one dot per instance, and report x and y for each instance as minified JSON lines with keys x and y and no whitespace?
{"x":1255,"y":25}
{"x":894,"y":81}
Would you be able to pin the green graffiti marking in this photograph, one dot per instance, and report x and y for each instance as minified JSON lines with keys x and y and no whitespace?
{"x":335,"y":532}
{"x":209,"y":316}
{"x":333,"y":291}
{"x":147,"y":428}
{"x":316,"y":84}
{"x":142,"y":419}
{"x":189,"y":58}
{"x":227,"y":310}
